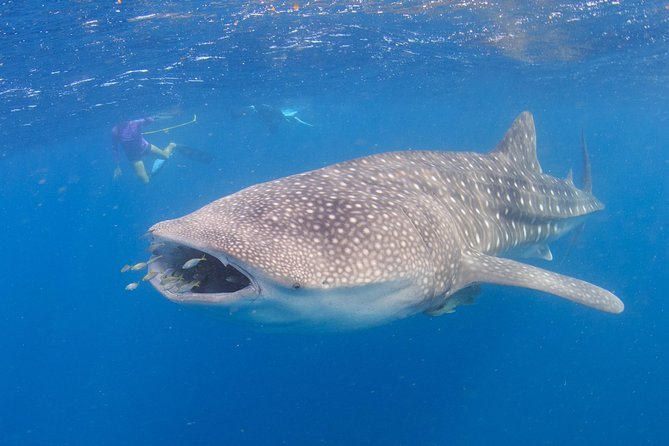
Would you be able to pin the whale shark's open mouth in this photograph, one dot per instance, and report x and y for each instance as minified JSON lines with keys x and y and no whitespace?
{"x":184,"y":273}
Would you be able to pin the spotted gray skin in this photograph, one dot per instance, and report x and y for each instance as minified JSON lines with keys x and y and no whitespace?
{"x":379,"y":238}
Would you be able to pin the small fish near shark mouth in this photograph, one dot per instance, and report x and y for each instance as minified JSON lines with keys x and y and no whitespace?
{"x":379,"y":238}
{"x":208,"y":277}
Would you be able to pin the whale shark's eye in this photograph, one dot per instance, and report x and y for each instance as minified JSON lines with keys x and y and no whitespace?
{"x":208,"y":275}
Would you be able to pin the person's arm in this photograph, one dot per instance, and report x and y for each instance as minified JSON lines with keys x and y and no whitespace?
{"x":115,"y":151}
{"x":115,"y":154}
{"x":147,"y":120}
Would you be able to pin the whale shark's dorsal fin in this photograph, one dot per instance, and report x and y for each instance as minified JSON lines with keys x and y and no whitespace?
{"x":519,"y":145}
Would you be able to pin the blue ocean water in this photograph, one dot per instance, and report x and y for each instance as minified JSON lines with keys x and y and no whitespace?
{"x":86,"y":362}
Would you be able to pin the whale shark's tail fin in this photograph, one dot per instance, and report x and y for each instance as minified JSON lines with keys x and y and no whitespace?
{"x":587,"y":187}
{"x":587,"y":173}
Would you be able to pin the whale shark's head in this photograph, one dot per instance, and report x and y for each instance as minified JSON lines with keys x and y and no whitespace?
{"x":290,"y":252}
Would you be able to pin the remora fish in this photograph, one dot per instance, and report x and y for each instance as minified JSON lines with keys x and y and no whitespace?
{"x":380,"y":238}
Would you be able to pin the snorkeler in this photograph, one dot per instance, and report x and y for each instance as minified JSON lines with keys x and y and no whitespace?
{"x":271,"y":116}
{"x":128,"y":134}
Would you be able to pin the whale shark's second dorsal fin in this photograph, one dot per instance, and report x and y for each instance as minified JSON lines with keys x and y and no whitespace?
{"x":519,"y":145}
{"x":569,"y":179}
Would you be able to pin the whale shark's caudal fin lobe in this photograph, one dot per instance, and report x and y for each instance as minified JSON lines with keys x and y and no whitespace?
{"x":482,"y":268}
{"x":519,"y":145}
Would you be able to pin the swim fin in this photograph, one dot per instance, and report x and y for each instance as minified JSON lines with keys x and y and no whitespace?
{"x":157,"y":164}
{"x":201,"y":156}
{"x":296,"y":119}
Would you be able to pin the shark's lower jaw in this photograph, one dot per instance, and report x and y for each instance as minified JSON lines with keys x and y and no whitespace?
{"x":212,"y":280}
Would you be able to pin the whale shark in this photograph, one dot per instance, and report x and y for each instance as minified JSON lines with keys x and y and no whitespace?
{"x":378,"y":238}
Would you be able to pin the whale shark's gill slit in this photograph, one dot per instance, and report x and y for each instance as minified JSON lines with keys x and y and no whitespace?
{"x":208,"y":276}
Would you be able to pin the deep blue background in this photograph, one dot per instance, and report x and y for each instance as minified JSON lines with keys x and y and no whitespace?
{"x":85,"y":362}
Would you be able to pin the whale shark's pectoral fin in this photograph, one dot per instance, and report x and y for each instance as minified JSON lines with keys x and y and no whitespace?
{"x":479,"y":267}
{"x":538,"y":251}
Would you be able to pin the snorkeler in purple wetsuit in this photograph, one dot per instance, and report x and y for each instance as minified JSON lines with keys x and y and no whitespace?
{"x":128,"y":135}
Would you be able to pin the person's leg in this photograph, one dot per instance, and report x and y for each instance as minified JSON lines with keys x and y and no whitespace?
{"x":166,"y":152}
{"x":170,"y":149}
{"x":140,"y":170}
